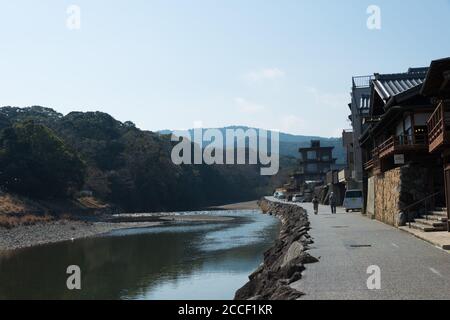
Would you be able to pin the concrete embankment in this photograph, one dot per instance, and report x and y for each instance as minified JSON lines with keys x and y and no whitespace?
{"x":284,"y":262}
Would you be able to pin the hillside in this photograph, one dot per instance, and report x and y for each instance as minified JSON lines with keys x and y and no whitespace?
{"x":289,"y":143}
{"x":46,"y":155}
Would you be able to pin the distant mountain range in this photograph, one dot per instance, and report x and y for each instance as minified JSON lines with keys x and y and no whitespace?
{"x":289,"y":143}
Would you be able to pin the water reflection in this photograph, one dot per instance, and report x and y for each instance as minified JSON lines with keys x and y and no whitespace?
{"x":183,"y":261}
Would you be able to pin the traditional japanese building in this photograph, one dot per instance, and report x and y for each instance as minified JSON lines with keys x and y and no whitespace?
{"x":437,"y":86}
{"x":359,"y":108}
{"x":315,"y":162}
{"x":347,"y":176}
{"x":403,"y":180}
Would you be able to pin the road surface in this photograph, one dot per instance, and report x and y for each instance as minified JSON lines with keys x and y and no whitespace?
{"x":348,"y":243}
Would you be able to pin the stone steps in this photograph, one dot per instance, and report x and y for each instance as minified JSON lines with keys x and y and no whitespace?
{"x":426,"y":228}
{"x":434,"y":222}
{"x":435,"y":218}
{"x":431,"y":223}
{"x":439,"y":213}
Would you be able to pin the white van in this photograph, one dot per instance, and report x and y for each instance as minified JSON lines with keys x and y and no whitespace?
{"x":353,"y":200}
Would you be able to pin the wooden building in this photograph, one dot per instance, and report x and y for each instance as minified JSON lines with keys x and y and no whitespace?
{"x":403,"y":180}
{"x":315,"y":162}
{"x":437,"y":86}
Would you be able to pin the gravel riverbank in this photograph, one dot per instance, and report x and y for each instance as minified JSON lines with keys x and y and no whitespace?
{"x":285,"y":261}
{"x":64,"y":230}
{"x":57,"y":231}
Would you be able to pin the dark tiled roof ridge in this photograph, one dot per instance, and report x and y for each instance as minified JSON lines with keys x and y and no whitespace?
{"x":404,"y":75}
{"x":390,"y":85}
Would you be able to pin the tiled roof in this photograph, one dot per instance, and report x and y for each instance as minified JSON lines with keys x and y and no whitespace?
{"x":389,"y":85}
{"x":436,"y":77}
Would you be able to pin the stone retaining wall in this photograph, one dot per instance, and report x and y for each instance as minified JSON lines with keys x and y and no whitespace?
{"x":397,"y":188}
{"x":284,"y":262}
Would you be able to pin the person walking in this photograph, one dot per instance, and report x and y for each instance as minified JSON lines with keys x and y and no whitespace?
{"x":316,"y":205}
{"x":333,"y":202}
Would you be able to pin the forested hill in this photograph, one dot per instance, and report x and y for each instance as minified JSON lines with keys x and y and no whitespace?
{"x":289,"y":143}
{"x":44,"y":154}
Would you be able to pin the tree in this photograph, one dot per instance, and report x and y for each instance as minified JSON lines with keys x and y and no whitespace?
{"x":37,"y":163}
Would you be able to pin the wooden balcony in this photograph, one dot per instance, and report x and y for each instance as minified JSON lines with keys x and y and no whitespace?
{"x":369,"y":165}
{"x":439,"y":127}
{"x":374,"y":162}
{"x":403,"y":144}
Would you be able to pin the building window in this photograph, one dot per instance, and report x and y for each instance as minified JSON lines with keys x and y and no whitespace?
{"x":420,"y":119}
{"x":399,"y":129}
{"x":312,"y":155}
{"x":312,"y":168}
{"x":421,"y":134}
{"x":408,"y":126}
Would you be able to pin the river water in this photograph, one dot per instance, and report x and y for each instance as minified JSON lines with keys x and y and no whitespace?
{"x":174,"y":261}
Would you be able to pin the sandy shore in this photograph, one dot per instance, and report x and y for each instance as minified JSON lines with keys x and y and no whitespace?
{"x":65,"y":230}
{"x":250,"y":205}
{"x":57,"y":231}
{"x":197,"y":218}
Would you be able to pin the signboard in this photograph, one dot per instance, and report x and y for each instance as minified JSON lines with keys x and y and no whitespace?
{"x":342,"y":175}
{"x":371,"y":196}
{"x":399,"y":159}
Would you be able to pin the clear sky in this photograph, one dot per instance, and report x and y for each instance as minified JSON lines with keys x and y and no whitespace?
{"x":166,"y":64}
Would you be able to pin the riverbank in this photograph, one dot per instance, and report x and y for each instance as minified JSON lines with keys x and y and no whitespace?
{"x":41,"y":233}
{"x":57,"y":231}
{"x":25,"y":222}
{"x":174,"y":261}
{"x":285,"y":261}
{"x":249,"y":205}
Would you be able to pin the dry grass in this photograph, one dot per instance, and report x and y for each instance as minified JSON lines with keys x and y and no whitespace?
{"x":10,"y":221}
{"x":67,"y":217}
{"x":91,"y":202}
{"x":10,"y":204}
{"x":14,"y":212}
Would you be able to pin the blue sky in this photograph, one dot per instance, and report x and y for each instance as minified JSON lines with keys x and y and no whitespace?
{"x":283,"y":64}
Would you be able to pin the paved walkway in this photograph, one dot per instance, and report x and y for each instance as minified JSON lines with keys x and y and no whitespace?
{"x":347,"y":244}
{"x":439,"y":239}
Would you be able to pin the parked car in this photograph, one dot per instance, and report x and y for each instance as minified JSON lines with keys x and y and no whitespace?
{"x":298,"y":198}
{"x":308,"y":197}
{"x":281,"y":196}
{"x":353,"y":200}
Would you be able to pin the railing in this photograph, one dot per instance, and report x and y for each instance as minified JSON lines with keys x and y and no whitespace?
{"x":369,"y":164}
{"x":387,"y":146}
{"x":402,"y":142}
{"x":362,"y":81}
{"x":437,"y":124}
{"x":428,"y":202}
{"x":374,"y":161}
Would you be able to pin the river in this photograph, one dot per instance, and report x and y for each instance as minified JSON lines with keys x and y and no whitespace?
{"x":182,"y":260}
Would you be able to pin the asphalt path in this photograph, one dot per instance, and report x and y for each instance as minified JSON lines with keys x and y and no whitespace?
{"x":353,"y":248}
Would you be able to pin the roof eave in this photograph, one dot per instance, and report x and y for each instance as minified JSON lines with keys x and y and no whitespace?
{"x":403,"y":96}
{"x":435,"y":73}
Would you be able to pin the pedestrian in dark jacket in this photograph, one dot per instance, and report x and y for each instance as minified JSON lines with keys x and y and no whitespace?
{"x":316,"y":205}
{"x":333,"y":203}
